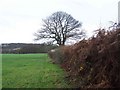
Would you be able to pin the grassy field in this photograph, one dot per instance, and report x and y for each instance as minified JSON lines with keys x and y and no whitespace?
{"x":31,"y":71}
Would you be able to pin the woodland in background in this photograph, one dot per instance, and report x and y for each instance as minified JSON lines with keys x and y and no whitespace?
{"x":24,"y":48}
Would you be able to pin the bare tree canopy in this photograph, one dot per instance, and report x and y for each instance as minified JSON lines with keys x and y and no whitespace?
{"x":59,"y":27}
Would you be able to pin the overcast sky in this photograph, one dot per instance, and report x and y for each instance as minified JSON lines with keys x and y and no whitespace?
{"x":20,"y":19}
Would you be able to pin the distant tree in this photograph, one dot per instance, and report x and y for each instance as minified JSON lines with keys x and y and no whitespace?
{"x":59,"y":27}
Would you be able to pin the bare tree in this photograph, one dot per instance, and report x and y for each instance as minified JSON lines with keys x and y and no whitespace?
{"x":59,"y":27}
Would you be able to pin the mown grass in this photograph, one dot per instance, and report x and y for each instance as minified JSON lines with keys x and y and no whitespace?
{"x":31,"y":71}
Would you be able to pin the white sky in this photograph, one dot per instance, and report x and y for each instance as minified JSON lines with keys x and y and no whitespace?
{"x":20,"y":19}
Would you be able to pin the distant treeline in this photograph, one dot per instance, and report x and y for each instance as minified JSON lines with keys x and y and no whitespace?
{"x":23,"y":48}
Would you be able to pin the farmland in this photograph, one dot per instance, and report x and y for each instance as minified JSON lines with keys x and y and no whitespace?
{"x":31,"y":71}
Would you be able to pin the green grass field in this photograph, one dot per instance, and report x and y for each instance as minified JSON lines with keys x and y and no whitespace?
{"x":31,"y":71}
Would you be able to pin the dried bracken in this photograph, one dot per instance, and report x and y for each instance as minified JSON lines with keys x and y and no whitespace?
{"x":93,"y":63}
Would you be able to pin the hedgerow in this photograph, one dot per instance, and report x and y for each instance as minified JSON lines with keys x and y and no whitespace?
{"x":93,"y":63}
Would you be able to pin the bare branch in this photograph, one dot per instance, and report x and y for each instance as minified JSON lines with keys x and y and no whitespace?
{"x":60,"y":26}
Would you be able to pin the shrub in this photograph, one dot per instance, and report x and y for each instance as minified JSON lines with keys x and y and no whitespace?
{"x":56,"y":55}
{"x":92,"y":63}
